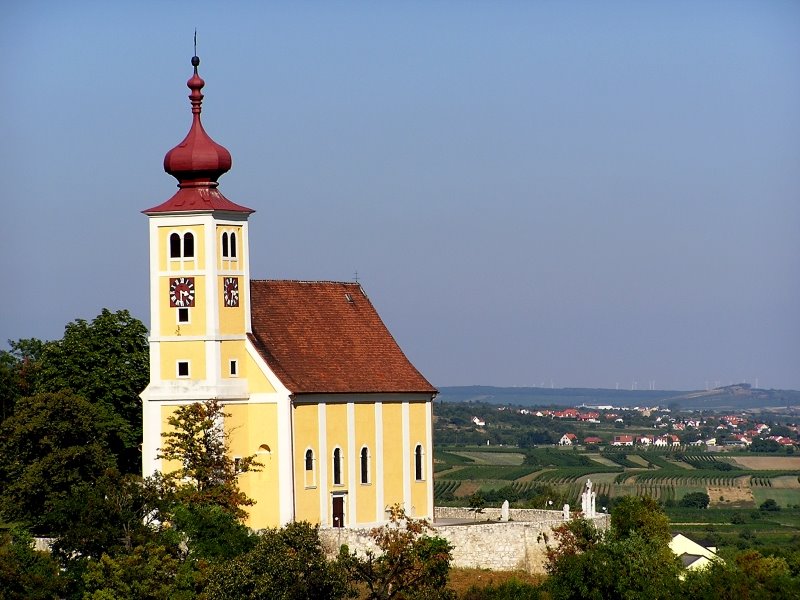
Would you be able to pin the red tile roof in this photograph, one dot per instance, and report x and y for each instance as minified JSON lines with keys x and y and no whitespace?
{"x":326,"y":337}
{"x":194,"y":199}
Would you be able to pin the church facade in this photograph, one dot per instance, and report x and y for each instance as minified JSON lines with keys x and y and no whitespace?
{"x":313,"y":382}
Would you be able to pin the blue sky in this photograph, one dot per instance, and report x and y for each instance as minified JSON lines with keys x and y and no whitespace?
{"x":532,"y":193}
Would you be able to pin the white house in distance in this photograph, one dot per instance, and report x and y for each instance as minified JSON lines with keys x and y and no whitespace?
{"x":622,"y":440}
{"x":692,"y":554}
{"x":568,"y":439}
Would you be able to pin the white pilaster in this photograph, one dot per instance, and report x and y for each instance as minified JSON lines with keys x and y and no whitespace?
{"x":350,"y":516}
{"x":378,"y":479}
{"x":406,"y":458}
{"x":286,"y":483}
{"x":322,"y":462}
{"x":429,"y":456}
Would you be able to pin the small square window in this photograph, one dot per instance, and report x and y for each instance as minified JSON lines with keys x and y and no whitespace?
{"x":234,"y":368}
{"x":237,"y":464}
{"x":183,"y":315}
{"x":183,"y":368}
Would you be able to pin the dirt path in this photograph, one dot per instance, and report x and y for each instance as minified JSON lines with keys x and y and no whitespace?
{"x":725,"y":496}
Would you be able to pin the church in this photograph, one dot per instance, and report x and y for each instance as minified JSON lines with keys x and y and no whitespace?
{"x":312,"y":380}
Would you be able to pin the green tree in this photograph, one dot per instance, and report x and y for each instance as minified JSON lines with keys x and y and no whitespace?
{"x":749,"y":576}
{"x":209,"y":532}
{"x":628,"y":567}
{"x":409,"y":564}
{"x":642,"y":514}
{"x":151,"y":571}
{"x":49,"y":447}
{"x":18,"y":372}
{"x":760,"y":445}
{"x":695,"y":500}
{"x":285,"y":563}
{"x":631,"y":560}
{"x":198,"y":444}
{"x":107,"y":362}
{"x":769,"y":505}
{"x":476,"y":503}
{"x":26,"y":573}
{"x":109,"y":515}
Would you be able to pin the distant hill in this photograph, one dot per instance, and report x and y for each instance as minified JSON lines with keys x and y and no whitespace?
{"x":734,"y":397}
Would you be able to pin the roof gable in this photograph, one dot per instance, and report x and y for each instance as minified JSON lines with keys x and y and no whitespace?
{"x":326,"y":337}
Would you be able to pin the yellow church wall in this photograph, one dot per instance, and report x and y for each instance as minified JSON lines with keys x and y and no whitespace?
{"x":165,"y":263}
{"x":231,"y":318}
{"x":257,"y":382}
{"x":252,"y":429}
{"x":167,"y":466}
{"x":336,"y":434}
{"x":233,"y":350}
{"x":416,"y":429}
{"x":393,"y":453}
{"x":169,"y":314}
{"x":365,"y":436}
{"x":306,"y":435}
{"x":172,"y":352}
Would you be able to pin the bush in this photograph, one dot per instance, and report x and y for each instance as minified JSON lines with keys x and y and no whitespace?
{"x":769,"y":505}
{"x":284,"y":563}
{"x":695,"y":500}
{"x":509,"y":590}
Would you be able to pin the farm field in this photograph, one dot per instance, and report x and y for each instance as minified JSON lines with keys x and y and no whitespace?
{"x":492,"y":458}
{"x":769,"y":462}
{"x":549,"y":476}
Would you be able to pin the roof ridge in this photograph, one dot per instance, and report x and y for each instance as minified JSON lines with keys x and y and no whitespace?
{"x":306,"y":281}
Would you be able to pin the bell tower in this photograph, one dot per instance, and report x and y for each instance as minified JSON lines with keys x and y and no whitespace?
{"x":199,"y":284}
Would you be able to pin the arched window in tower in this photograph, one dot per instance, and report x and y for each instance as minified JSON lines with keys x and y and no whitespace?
{"x":225,"y":244}
{"x":337,"y":466}
{"x":364,"y":465}
{"x":174,"y":245}
{"x":233,"y":244}
{"x":188,"y":245}
{"x":418,"y":456}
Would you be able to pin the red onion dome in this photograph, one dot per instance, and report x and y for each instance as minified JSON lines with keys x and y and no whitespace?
{"x":197,"y":160}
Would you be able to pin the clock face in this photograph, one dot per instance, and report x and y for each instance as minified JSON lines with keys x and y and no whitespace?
{"x":181,"y":292}
{"x":230,"y":291}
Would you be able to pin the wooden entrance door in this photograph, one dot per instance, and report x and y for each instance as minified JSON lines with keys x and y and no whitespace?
{"x":338,"y":511}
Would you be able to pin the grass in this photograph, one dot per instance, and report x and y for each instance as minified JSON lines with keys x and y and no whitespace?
{"x":783,"y":496}
{"x":461,"y":580}
{"x":602,"y":460}
{"x":489,"y":472}
{"x":493,"y":458}
{"x":639,"y":461}
{"x":451,"y":458}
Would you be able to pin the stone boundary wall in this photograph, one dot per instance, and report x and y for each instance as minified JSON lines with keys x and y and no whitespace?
{"x":500,"y":546}
{"x":528,"y":515}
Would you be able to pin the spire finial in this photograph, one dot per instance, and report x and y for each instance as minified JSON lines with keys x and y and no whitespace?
{"x":196,"y":82}
{"x":195,"y":58}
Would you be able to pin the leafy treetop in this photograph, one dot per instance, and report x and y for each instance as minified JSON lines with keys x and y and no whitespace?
{"x":198,"y":444}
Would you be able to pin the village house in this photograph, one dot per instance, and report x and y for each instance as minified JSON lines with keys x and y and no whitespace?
{"x":568,"y":439}
{"x":567,"y":413}
{"x":622,"y":440}
{"x":667,"y":441}
{"x":692,"y":555}
{"x":589,"y":417}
